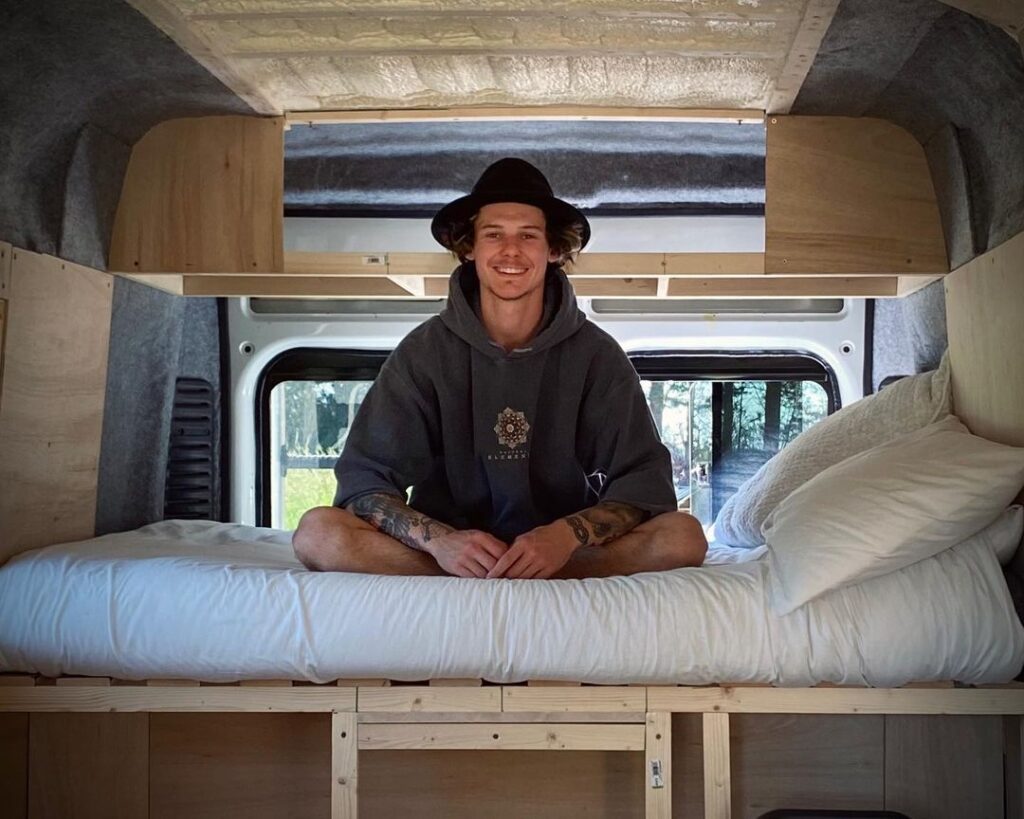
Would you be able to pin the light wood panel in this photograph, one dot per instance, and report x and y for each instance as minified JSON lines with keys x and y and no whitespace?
{"x":501,"y":736}
{"x":944,"y":768}
{"x":615,"y":288}
{"x":537,"y":113}
{"x":333,"y":287}
{"x":426,"y":699}
{"x":587,"y":717}
{"x":717,"y":767}
{"x":176,"y":698}
{"x":344,"y":766}
{"x":846,"y":195}
{"x":5,"y":270}
{"x":261,"y":766}
{"x":51,"y":408}
{"x":658,"y":770}
{"x":291,"y":286}
{"x":767,"y":700}
{"x":616,"y":265}
{"x":14,"y":765}
{"x":3,"y":336}
{"x":203,"y":195}
{"x":595,"y":698}
{"x":991,"y":700}
{"x":816,"y":19}
{"x":787,"y":287}
{"x":88,"y":765}
{"x":985,"y":324}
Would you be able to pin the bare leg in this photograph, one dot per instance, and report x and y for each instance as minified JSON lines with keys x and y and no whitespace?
{"x":671,"y":540}
{"x":329,"y":539}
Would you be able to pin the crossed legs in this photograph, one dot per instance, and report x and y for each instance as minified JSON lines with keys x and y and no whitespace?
{"x":332,"y":539}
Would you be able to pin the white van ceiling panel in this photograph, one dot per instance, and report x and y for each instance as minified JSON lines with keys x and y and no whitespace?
{"x":326,"y":54}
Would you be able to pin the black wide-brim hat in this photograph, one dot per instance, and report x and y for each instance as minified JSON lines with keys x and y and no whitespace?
{"x":508,"y":180}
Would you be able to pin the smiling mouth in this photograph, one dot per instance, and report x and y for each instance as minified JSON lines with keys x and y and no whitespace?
{"x":510,"y":271}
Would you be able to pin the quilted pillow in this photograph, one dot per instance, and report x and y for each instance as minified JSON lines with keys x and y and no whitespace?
{"x":886,"y":508}
{"x":907,"y":405}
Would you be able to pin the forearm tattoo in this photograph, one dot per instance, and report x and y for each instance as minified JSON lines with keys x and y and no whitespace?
{"x":392,"y":516}
{"x":604,"y":522}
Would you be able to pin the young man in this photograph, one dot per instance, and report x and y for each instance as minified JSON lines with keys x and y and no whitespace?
{"x":519,"y":426}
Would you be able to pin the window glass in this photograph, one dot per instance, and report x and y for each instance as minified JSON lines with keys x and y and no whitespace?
{"x":719,"y":433}
{"x":719,"y":428}
{"x":309,"y":422}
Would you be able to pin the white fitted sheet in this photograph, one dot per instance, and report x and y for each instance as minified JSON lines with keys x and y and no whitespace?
{"x":223,"y":602}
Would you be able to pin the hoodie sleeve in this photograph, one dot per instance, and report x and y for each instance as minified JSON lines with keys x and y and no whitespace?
{"x":617,"y":437}
{"x":391,"y":444}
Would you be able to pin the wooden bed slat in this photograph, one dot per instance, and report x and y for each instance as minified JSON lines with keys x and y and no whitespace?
{"x":188,"y":699}
{"x":501,"y":736}
{"x":425,"y":699}
{"x":977,"y":701}
{"x":586,"y":698}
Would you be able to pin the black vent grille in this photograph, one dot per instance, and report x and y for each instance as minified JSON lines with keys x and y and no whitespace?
{"x":188,"y":491}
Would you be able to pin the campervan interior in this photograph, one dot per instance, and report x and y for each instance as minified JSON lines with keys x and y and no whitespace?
{"x":808,"y":238}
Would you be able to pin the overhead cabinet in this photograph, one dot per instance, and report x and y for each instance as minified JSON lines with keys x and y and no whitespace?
{"x":850,"y":211}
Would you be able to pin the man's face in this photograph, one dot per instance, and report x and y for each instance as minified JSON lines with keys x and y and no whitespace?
{"x":510,"y":249}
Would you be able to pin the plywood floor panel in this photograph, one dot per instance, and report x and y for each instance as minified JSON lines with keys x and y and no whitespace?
{"x":88,"y":766}
{"x":14,"y":765}
{"x":948,"y":767}
{"x":261,"y":766}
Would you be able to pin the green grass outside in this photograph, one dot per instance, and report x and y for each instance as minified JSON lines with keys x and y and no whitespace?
{"x":304,"y":489}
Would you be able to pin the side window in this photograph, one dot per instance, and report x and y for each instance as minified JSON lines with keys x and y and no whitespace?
{"x":309,"y":421}
{"x":305,"y":404}
{"x":722,"y":417}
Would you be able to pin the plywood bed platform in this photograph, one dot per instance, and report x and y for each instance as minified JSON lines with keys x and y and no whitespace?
{"x":470,"y":715}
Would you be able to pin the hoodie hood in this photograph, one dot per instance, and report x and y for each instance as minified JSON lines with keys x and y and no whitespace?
{"x":562,"y":317}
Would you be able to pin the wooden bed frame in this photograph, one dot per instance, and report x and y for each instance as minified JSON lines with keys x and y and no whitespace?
{"x":469,"y":715}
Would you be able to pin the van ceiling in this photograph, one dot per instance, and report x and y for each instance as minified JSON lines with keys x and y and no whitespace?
{"x":82,"y":80}
{"x":298,"y":55}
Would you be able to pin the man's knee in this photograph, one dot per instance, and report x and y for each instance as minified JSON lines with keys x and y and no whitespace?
{"x":684,"y":533}
{"x":322,"y":532}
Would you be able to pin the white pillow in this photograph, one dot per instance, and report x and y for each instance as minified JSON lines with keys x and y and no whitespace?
{"x":909,"y":404}
{"x":886,"y":508}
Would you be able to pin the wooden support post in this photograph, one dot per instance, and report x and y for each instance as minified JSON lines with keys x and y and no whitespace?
{"x":344,"y":767}
{"x":717,"y":773}
{"x":658,"y":766}
{"x":1013,"y":766}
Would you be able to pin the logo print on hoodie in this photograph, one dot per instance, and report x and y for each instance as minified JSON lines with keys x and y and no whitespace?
{"x":511,"y":428}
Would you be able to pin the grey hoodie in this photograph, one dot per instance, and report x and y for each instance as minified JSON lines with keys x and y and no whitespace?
{"x":506,"y":442}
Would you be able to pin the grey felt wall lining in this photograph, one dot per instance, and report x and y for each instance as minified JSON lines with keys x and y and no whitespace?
{"x":66,"y":65}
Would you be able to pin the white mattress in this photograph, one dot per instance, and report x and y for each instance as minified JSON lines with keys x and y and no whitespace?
{"x":223,"y":602}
